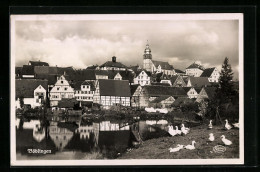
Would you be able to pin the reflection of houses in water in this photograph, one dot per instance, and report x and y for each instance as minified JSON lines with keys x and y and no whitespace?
{"x":85,"y":131}
{"x":38,"y":133}
{"x":60,"y":135}
{"x":108,"y":126}
{"x":31,"y":124}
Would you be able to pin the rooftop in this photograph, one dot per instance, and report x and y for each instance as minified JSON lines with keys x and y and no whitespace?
{"x":109,"y":87}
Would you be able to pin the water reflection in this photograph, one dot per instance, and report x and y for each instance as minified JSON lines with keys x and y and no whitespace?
{"x":83,"y":137}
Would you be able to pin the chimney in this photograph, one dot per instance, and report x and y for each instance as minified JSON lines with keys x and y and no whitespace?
{"x":114,"y":59}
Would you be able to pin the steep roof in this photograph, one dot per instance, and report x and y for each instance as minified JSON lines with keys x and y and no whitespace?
{"x":133,"y":88}
{"x":195,"y":65}
{"x":181,"y":100}
{"x":109,"y":87}
{"x":28,"y":70}
{"x":126,"y":75}
{"x":160,"y":98}
{"x":25,"y":87}
{"x":207,"y":72}
{"x":38,"y":63}
{"x":91,"y":84}
{"x":52,"y":79}
{"x":161,"y":84}
{"x":135,"y":68}
{"x":187,"y":89}
{"x":92,"y":67}
{"x":46,"y":70}
{"x":153,"y":90}
{"x":67,"y":103}
{"x":164,"y":65}
{"x":67,"y":70}
{"x":82,"y":75}
{"x":173,"y":79}
{"x":139,"y":71}
{"x":199,"y":81}
{"x":211,"y":91}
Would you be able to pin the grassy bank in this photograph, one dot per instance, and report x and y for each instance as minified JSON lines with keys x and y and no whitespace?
{"x":159,"y":148}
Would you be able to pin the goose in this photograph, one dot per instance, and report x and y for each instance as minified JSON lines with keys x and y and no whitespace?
{"x":171,"y":131}
{"x":236,"y":125}
{"x":179,"y":147}
{"x":184,"y":130}
{"x":177,"y":130}
{"x":227,"y":125}
{"x":211,"y":137}
{"x":190,"y":147}
{"x":225,"y":141}
{"x":210,"y":126}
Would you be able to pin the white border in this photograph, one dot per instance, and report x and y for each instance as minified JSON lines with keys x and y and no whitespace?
{"x":154,"y":17}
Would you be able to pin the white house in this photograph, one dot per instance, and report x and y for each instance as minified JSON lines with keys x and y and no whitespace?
{"x":143,"y":78}
{"x":110,"y":92}
{"x":195,"y":69}
{"x":32,"y":92}
{"x":61,"y":89}
{"x":85,"y":92}
{"x":192,"y":92}
{"x":212,"y":74}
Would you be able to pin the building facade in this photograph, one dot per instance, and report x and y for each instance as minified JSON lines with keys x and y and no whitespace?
{"x":143,"y":78}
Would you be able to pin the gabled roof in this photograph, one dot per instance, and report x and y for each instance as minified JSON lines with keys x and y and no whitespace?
{"x":153,"y":90}
{"x":91,"y":84}
{"x":207,"y":72}
{"x":181,"y":100}
{"x":82,"y":75}
{"x":67,"y":70}
{"x":52,"y":79}
{"x":135,"y":68}
{"x":160,"y":84}
{"x":67,"y":103}
{"x":25,"y":87}
{"x":160,"y":98}
{"x":28,"y":70}
{"x":92,"y":67}
{"x":133,"y":88}
{"x":178,"y":71}
{"x":46,"y":70}
{"x":199,"y":81}
{"x":139,"y":71}
{"x":164,"y":65}
{"x":113,"y":64}
{"x":109,"y":87}
{"x":173,"y":78}
{"x":126,"y":75}
{"x":38,"y":63}
{"x":187,"y":89}
{"x":195,"y":65}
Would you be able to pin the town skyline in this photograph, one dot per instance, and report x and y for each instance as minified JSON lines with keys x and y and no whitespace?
{"x":94,"y":42}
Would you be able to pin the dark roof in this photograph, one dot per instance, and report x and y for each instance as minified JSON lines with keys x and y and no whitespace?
{"x":18,"y":70}
{"x":135,"y":68}
{"x":139,"y":71}
{"x":133,"y":88}
{"x":153,"y":90}
{"x":67,"y":70}
{"x":173,"y":78}
{"x":67,"y":103}
{"x":207,"y":72}
{"x":211,"y":91}
{"x":195,"y":65}
{"x":199,"y":81}
{"x":25,"y":87}
{"x":101,"y":72}
{"x":113,"y":64}
{"x":38,"y":63}
{"x":160,"y":98}
{"x":28,"y":70}
{"x":70,"y":126}
{"x":92,"y":67}
{"x":82,"y":75}
{"x":46,"y":70}
{"x":181,"y":100}
{"x":126,"y":75}
{"x":91,"y":83}
{"x":52,"y":79}
{"x":164,"y":65}
{"x":161,"y":84}
{"x":178,"y":71}
{"x":188,"y":89}
{"x":109,"y":87}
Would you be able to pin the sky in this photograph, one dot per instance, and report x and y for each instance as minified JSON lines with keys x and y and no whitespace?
{"x":81,"y":43}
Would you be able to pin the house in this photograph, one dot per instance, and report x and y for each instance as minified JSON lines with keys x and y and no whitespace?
{"x":109,"y":92}
{"x":18,"y":72}
{"x":165,"y":79}
{"x":179,"y":72}
{"x":28,"y":71}
{"x":113,"y":65}
{"x":206,"y":93}
{"x":195,"y":69}
{"x":84,"y":91}
{"x":37,"y":63}
{"x":177,"y":81}
{"x":45,"y":70}
{"x":212,"y":74}
{"x":61,"y":89}
{"x":92,"y":67}
{"x":135,"y":95}
{"x":121,"y":75}
{"x":192,"y":92}
{"x":142,"y":78}
{"x":162,"y":102}
{"x":135,"y":69}
{"x":85,"y":131}
{"x":197,"y":81}
{"x":32,"y":91}
{"x":151,"y":92}
{"x":155,"y":66}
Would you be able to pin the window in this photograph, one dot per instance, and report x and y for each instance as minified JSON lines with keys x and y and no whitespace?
{"x":146,"y":82}
{"x":65,"y":88}
{"x":61,"y":82}
{"x":58,"y":88}
{"x":83,"y":86}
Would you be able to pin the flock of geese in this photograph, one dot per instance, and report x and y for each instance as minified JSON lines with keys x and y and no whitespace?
{"x":185,"y":131}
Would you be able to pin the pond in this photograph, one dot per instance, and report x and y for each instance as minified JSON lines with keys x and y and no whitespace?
{"x":76,"y":138}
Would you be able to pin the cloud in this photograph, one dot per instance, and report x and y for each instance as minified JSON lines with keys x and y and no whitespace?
{"x":83,"y":43}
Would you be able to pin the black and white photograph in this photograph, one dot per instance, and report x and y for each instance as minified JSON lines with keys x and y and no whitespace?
{"x":126,"y":89}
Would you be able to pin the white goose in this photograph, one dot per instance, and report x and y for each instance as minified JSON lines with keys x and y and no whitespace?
{"x":211,"y":137}
{"x":171,"y":131}
{"x":236,"y":125}
{"x":179,"y":147}
{"x":210,"y":126}
{"x":227,"y":125}
{"x":225,"y":141}
{"x":184,"y":130}
{"x":190,"y":147}
{"x":177,"y":130}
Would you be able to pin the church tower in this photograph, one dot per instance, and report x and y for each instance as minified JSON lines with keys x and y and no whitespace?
{"x":147,"y":62}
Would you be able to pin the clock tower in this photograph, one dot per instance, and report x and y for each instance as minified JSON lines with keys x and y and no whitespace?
{"x":147,"y":62}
